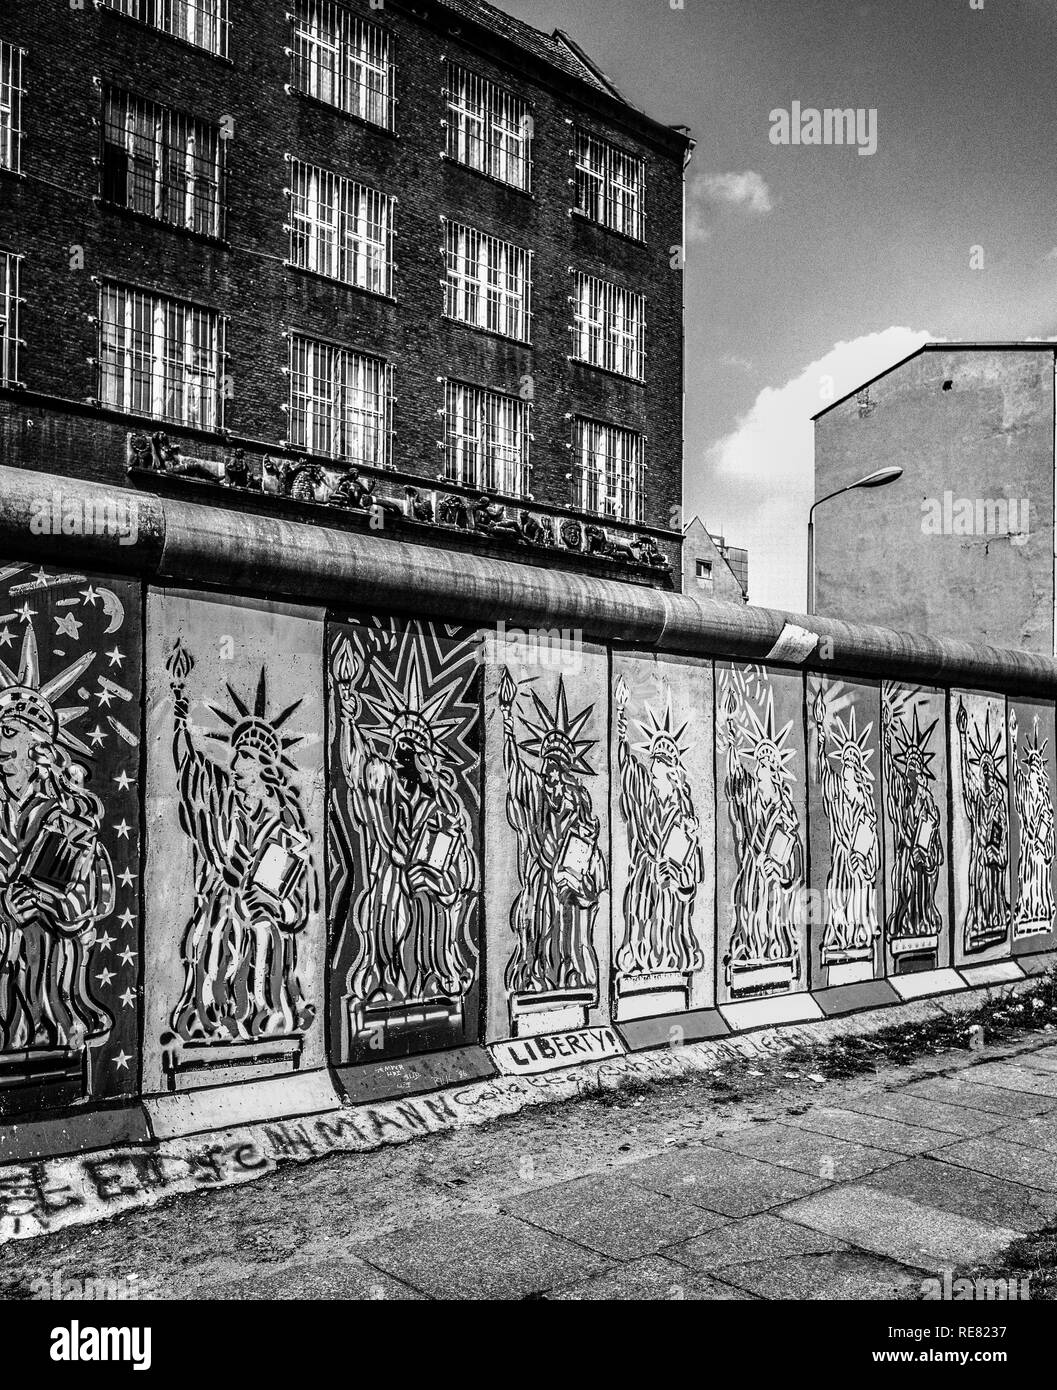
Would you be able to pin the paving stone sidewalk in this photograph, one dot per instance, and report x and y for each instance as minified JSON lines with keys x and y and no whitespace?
{"x":854,"y":1189}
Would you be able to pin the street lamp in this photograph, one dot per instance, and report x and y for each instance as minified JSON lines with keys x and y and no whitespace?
{"x":878,"y":479}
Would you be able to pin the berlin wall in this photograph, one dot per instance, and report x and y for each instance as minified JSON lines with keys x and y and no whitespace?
{"x":284,"y":818}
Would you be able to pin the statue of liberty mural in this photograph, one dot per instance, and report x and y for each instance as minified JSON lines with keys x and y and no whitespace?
{"x":255,"y":884}
{"x":1034,"y":806}
{"x":766,"y":904}
{"x":56,"y":877}
{"x":665,"y":859}
{"x":401,"y":752}
{"x":984,"y":798}
{"x":847,"y":784}
{"x":561,"y":871}
{"x":915,"y":921}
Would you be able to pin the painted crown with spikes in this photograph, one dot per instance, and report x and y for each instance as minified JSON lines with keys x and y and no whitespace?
{"x":402,"y":709}
{"x":914,"y":742}
{"x":767,"y":744}
{"x":851,"y":746}
{"x":660,"y":739}
{"x":256,"y":732}
{"x":557,"y":737}
{"x":985,"y":747}
{"x":33,"y":704}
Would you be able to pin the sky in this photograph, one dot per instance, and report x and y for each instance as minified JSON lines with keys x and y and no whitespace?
{"x":810,"y":269}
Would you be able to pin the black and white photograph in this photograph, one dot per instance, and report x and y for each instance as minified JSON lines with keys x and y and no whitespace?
{"x":528,"y":672}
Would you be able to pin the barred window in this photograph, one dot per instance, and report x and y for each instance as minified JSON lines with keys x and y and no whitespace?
{"x":489,"y":129}
{"x":489,"y":282}
{"x":609,"y":460}
{"x":9,"y":305}
{"x":340,"y":403}
{"x":201,"y":22}
{"x":340,"y":59}
{"x":609,"y":326}
{"x":486,"y":439}
{"x":10,"y":106}
{"x":160,"y":357}
{"x":161,"y":163}
{"x":610,"y":185}
{"x":341,"y":229}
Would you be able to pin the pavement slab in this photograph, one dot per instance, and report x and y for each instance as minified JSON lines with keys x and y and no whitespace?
{"x":1009,"y":1162}
{"x":808,"y":1151}
{"x":651,"y":1279}
{"x":843,"y":1274}
{"x":332,"y":1278}
{"x":903,"y":1230}
{"x":1039,"y":1132}
{"x":609,"y":1214}
{"x":979,"y":1096}
{"x":1013,"y":1077}
{"x":751,"y":1240}
{"x":870,"y":1130}
{"x":1041,"y":1059}
{"x":925,"y":1113}
{"x":723,"y":1182}
{"x":966,"y":1192}
{"x":470,"y":1257}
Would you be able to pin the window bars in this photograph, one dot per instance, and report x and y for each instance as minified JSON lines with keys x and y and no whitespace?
{"x":160,"y":357}
{"x":341,"y":229}
{"x":486,"y":439}
{"x":161,"y":163}
{"x":10,"y":106}
{"x":201,"y":22}
{"x":489,"y":129}
{"x":340,"y":403}
{"x":609,"y":326}
{"x":340,"y":59}
{"x":609,"y":461}
{"x":9,"y":306}
{"x":489,"y":282}
{"x":610,"y":186}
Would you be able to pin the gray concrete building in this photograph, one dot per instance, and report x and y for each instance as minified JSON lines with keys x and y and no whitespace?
{"x":962,"y":546}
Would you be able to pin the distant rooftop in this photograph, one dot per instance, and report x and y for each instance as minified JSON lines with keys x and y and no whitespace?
{"x":1048,"y":345}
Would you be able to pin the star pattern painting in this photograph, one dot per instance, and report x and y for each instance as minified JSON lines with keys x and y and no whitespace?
{"x":70,"y":702}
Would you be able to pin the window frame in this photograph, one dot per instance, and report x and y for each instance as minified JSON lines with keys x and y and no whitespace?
{"x":10,"y":316}
{"x":613,"y":162}
{"x":614,"y":489}
{"x":161,"y":16}
{"x":504,"y":128}
{"x":11,"y":63}
{"x":358,"y":48}
{"x":333,"y":410}
{"x":332,"y":218}
{"x":474,"y":460}
{"x":478,"y":292}
{"x":157,"y":369}
{"x":602,"y":337}
{"x":158,"y":167}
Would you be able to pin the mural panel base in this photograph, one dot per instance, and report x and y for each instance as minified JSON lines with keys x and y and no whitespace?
{"x":850,"y":998}
{"x":642,"y":1033}
{"x":921,"y":983}
{"x":411,"y":1076}
{"x":73,"y":1134}
{"x":219,"y":1107}
{"x":548,"y":1052}
{"x":765,"y":1013}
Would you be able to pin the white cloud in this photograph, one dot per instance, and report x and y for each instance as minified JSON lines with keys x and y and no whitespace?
{"x":757,"y":483}
{"x":745,"y":193}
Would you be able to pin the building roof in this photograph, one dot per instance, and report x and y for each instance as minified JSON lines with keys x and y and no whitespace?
{"x":557,"y":50}
{"x":944,"y":345}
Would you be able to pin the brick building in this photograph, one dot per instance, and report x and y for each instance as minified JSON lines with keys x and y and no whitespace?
{"x":422,"y":239}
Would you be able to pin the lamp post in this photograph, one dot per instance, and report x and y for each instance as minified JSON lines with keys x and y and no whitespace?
{"x":878,"y":479}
